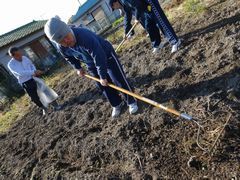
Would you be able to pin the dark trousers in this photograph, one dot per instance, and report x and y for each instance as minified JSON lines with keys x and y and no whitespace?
{"x":30,"y":87}
{"x":116,"y":76}
{"x":163,"y":22}
{"x":152,"y":29}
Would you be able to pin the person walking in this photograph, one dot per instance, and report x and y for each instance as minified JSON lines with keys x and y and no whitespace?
{"x":24,"y":70}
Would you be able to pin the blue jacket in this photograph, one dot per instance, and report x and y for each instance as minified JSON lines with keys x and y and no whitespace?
{"x":91,"y":49}
{"x":139,"y":6}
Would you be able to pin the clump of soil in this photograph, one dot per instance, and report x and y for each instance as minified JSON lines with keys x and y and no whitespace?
{"x":82,"y":141}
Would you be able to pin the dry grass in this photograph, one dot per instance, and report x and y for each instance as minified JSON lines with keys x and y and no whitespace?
{"x":58,"y":76}
{"x":116,"y":37}
{"x":17,"y":110}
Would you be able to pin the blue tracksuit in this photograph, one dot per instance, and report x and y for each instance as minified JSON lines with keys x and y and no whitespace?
{"x":156,"y":15}
{"x":162,"y":21}
{"x":101,"y":60}
{"x":143,"y":15}
{"x":146,"y":20}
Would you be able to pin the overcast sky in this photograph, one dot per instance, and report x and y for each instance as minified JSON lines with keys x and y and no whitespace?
{"x":15,"y":13}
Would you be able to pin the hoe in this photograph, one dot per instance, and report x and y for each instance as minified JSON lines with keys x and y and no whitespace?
{"x":149,"y":101}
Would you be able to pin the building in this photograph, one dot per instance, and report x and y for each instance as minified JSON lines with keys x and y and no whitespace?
{"x":36,"y":46}
{"x":96,"y":15}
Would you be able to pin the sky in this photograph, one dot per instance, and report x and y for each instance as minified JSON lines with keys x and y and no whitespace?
{"x":15,"y":13}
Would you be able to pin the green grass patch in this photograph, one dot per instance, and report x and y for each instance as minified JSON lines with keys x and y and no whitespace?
{"x":17,"y":110}
{"x":117,"y":22}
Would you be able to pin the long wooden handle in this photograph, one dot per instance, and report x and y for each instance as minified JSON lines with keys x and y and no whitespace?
{"x":149,"y":101}
{"x":129,"y":32}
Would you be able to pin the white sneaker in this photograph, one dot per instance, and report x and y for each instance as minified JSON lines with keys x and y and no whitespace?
{"x":117,"y":110}
{"x":44,"y":112}
{"x":175,"y":47}
{"x":133,"y":108}
{"x":155,"y":50}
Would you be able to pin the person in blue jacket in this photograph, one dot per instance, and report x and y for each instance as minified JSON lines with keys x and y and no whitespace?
{"x":99,"y":56}
{"x":151,"y":9}
{"x":128,"y":14}
{"x":146,"y":21}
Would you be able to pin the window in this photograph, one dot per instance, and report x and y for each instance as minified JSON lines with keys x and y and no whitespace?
{"x":46,"y":44}
{"x":31,"y":54}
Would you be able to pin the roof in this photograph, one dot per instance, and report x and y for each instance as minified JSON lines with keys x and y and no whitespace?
{"x":83,"y":9}
{"x":21,"y":32}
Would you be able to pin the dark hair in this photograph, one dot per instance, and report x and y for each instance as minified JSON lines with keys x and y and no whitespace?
{"x":111,"y":3}
{"x":12,"y":50}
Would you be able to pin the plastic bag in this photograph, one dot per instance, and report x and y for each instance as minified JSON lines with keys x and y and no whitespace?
{"x":45,"y":93}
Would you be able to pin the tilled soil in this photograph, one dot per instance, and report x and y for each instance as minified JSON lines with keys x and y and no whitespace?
{"x":83,"y":142}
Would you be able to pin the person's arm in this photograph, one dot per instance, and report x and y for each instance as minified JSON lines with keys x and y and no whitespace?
{"x":127,"y":20}
{"x":75,"y":63}
{"x":88,"y":40}
{"x":137,"y":14}
{"x":30,"y":64}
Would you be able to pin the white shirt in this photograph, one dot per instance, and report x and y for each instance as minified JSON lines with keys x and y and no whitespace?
{"x":22,"y":70}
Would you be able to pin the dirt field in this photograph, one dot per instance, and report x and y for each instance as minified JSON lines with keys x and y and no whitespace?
{"x":83,"y":142}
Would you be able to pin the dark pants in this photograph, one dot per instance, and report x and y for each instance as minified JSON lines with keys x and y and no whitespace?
{"x":117,"y":77}
{"x":30,"y":87}
{"x":163,"y":22}
{"x":152,"y":29}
